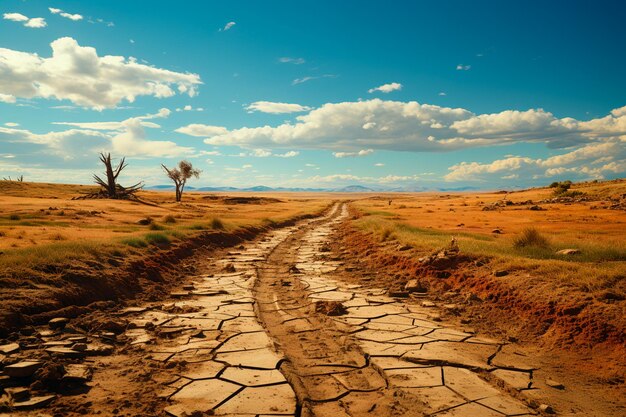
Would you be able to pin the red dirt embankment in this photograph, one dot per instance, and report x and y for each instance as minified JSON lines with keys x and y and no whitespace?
{"x":586,"y":325}
{"x":69,"y":290}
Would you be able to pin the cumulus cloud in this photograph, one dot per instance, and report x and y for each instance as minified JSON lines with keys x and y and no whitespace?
{"x":127,"y":137}
{"x":276,"y":108}
{"x":74,"y":17}
{"x":35,"y":22}
{"x":7,"y":98}
{"x":227,"y":26}
{"x":200,"y":130}
{"x":386,"y":88}
{"x":411,"y":126}
{"x":593,"y":161}
{"x":362,"y":152}
{"x":76,"y":73}
{"x":289,"y":60}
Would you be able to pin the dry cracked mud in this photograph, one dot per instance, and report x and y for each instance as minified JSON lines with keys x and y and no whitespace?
{"x":275,"y":333}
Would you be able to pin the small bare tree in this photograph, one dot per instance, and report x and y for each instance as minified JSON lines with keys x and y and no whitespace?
{"x":110,"y":187}
{"x":18,"y":179}
{"x":180,"y":175}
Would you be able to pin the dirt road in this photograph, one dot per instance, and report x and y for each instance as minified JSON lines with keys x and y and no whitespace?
{"x":273,"y":333}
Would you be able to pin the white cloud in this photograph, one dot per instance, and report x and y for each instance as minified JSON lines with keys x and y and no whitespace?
{"x":11,"y":124}
{"x":7,"y":98}
{"x":35,"y":22}
{"x":289,"y":154}
{"x":127,"y":138}
{"x":78,"y":74}
{"x":228,"y":26}
{"x":411,"y":126}
{"x":188,"y":107}
{"x":70,"y":16}
{"x":289,"y":60}
{"x":442,"y":93}
{"x":276,"y":108}
{"x":200,"y":130}
{"x":15,"y":17}
{"x":386,"y":88}
{"x":362,"y":152}
{"x":261,"y":153}
{"x":310,"y":78}
{"x":592,"y":161}
{"x":462,"y":67}
{"x":379,"y":164}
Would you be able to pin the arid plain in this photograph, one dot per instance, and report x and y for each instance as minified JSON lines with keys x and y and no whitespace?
{"x":525,"y":289}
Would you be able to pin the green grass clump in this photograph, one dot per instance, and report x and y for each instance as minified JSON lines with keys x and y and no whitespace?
{"x":157,"y":239}
{"x":531,"y":237}
{"x":135,"y":242}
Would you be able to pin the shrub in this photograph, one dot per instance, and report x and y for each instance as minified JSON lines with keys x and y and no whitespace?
{"x":14,"y":217}
{"x":157,"y":239}
{"x":169,"y":219}
{"x":217,"y":224}
{"x":531,"y":237}
{"x":154,"y":226}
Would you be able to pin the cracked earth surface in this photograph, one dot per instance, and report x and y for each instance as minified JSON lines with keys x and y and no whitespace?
{"x":266,"y":350}
{"x":259,"y":339}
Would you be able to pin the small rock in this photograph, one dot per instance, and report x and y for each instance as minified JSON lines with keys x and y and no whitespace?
{"x":65,"y":352}
{"x":9,"y":348}
{"x":403,"y":248}
{"x":58,"y":323}
{"x":17,"y":393}
{"x":546,"y":409}
{"x":568,"y":252}
{"x":80,"y":347}
{"x":22,"y":369}
{"x":78,"y":339}
{"x":501,"y":273}
{"x":144,"y":222}
{"x":496,"y":231}
{"x":398,"y":294}
{"x":414,"y":286}
{"x":554,"y":384}
{"x":77,"y":373}
{"x":34,"y":402}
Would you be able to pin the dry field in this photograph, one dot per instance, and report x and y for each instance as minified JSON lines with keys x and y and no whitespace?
{"x":169,"y":299}
{"x":56,"y":252}
{"x":510,"y":285}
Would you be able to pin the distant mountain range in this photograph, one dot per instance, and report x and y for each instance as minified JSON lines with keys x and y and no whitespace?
{"x":347,"y":189}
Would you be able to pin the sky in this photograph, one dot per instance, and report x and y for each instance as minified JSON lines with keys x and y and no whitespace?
{"x":321,"y":94}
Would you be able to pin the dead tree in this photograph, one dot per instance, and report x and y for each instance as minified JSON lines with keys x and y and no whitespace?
{"x":110,"y":188}
{"x":180,"y":175}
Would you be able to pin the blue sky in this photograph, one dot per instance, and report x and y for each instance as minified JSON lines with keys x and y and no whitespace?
{"x":316,"y":94}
